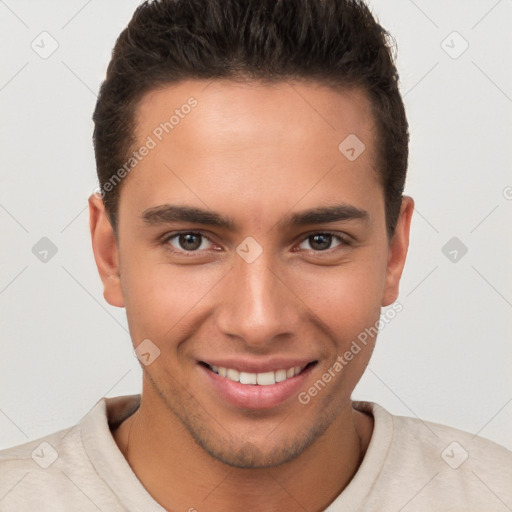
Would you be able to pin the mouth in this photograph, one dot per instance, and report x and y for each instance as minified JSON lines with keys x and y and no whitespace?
{"x":267,"y":378}
{"x":264,"y":387}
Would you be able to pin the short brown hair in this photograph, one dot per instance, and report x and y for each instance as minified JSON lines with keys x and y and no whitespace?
{"x":334,"y":42}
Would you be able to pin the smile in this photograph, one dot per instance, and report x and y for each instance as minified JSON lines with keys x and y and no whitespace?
{"x":254,"y":385}
{"x":258,"y":379}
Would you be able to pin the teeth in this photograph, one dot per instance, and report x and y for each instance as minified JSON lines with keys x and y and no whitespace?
{"x":266,"y":379}
{"x":248,"y":378}
{"x":281,"y":375}
{"x":262,"y":379}
{"x":233,"y":375}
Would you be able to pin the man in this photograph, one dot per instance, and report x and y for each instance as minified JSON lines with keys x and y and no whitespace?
{"x":252,"y":158}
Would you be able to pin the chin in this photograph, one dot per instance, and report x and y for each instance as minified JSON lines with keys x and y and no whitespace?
{"x":270,"y":450}
{"x":252,"y":456}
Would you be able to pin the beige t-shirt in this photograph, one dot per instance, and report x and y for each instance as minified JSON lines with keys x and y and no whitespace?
{"x":410,"y":465}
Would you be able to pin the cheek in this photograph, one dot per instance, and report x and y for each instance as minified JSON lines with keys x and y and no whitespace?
{"x":347,"y":298}
{"x":349,"y":304}
{"x":160,"y":298}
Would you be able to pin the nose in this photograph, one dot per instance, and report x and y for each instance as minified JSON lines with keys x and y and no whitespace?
{"x":260,"y":306}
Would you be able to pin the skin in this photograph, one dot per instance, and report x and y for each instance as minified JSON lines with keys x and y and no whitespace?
{"x":255,"y":153}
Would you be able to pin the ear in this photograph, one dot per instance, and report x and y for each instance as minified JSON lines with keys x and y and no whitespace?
{"x":397,"y":252}
{"x":106,"y":253}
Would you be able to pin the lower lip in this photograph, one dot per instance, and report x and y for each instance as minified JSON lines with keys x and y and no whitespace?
{"x":252,"y":396}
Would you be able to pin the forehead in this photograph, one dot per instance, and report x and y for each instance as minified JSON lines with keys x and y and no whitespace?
{"x":224,"y":140}
{"x":292,"y":109}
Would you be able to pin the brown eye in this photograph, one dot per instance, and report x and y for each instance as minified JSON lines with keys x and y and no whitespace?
{"x":321,"y":241}
{"x":188,"y":242}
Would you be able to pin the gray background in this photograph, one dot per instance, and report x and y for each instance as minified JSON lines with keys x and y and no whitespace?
{"x":445,"y":358}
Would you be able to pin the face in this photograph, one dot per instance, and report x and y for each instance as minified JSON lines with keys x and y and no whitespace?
{"x":252,"y":249}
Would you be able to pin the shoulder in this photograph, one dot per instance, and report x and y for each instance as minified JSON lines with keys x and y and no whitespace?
{"x":78,"y":468}
{"x":54,"y":470}
{"x":429,"y":463}
{"x":38,"y":468}
{"x":457,"y":449}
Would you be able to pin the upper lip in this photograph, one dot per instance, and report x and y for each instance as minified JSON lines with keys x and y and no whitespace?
{"x":252,"y":366}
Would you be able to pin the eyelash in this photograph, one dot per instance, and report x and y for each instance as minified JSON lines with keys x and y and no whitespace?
{"x":342,"y":238}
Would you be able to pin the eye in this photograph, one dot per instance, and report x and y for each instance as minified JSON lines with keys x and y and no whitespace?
{"x":188,"y":242}
{"x":322,"y":241}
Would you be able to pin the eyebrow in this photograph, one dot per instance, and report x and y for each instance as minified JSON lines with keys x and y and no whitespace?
{"x":167,"y":213}
{"x":170,"y":213}
{"x":323,"y":215}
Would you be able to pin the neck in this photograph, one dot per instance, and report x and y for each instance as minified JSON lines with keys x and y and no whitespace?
{"x":180,"y":475}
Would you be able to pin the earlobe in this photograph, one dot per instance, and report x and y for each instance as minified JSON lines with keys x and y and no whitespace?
{"x":397,"y":253}
{"x":106,"y":253}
